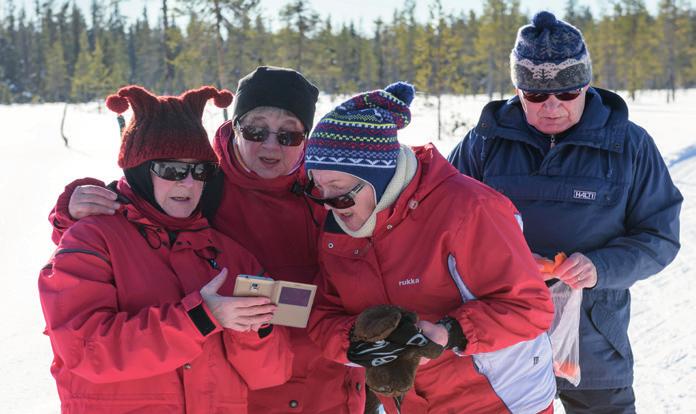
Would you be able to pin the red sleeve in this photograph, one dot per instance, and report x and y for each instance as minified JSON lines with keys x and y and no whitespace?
{"x":271,"y":355}
{"x":60,"y":217}
{"x":94,"y":339}
{"x":329,"y":324}
{"x":511,"y":302}
{"x":248,"y":353}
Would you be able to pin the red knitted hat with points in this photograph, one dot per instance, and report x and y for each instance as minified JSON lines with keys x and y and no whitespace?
{"x":165,"y":127}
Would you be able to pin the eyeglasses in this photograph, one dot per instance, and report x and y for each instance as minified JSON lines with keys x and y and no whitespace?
{"x":339,"y":202}
{"x":179,"y":170}
{"x":261,"y":134}
{"x":541,"y":97}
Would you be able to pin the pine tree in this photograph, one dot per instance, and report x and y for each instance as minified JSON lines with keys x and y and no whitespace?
{"x":72,"y":37}
{"x":147,"y":63}
{"x":261,"y":43}
{"x":437,"y":58}
{"x":468,"y":74}
{"x":348,"y":58}
{"x":91,"y":80}
{"x":405,"y":34}
{"x":81,"y":83}
{"x":300,"y":22}
{"x":326,"y":60}
{"x":379,"y":52}
{"x":9,"y":56}
{"x":194,"y":66}
{"x":497,"y":31}
{"x":115,"y":49}
{"x":635,"y":56}
{"x":57,"y":87}
{"x":674,"y":43}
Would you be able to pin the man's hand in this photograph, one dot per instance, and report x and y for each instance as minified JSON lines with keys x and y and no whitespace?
{"x":577,"y":271}
{"x":90,"y":200}
{"x":237,"y":313}
{"x":539,"y":259}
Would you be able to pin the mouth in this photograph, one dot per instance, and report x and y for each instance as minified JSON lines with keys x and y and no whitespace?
{"x":269,"y":161}
{"x":180,"y":199}
{"x":554,"y":117}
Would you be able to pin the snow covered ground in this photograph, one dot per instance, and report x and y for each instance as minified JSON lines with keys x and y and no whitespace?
{"x":36,"y":166}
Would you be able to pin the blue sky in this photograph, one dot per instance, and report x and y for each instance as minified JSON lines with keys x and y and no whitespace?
{"x":361,"y":12}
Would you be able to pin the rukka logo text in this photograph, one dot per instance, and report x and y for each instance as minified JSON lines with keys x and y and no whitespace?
{"x":409,"y":281}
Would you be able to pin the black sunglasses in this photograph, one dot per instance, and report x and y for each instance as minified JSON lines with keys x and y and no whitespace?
{"x":339,"y":202}
{"x":179,"y":170}
{"x":260,"y":134}
{"x":541,"y":97}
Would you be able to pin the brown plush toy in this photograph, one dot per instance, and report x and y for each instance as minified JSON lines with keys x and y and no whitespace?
{"x":393,"y":378}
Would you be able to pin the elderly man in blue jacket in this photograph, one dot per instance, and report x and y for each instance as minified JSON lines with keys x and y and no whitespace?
{"x":588,"y":182}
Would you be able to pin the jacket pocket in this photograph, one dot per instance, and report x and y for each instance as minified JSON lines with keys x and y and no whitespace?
{"x":613,"y":325}
{"x":583,"y":190}
{"x":290,"y":397}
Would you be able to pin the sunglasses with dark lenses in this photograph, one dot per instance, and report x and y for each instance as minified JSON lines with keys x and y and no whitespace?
{"x":541,"y":97}
{"x":179,"y":170}
{"x":339,"y":202}
{"x":260,"y":134}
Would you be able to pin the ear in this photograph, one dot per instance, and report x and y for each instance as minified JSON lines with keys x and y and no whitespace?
{"x":431,"y":350}
{"x":409,"y":316}
{"x":376,"y":323}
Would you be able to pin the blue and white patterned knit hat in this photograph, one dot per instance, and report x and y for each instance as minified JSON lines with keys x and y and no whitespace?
{"x":359,"y":137}
{"x":550,"y":55}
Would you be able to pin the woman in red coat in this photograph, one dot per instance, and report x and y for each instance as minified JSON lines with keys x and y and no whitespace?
{"x":261,"y":155}
{"x":407,"y":229}
{"x":137,"y":304}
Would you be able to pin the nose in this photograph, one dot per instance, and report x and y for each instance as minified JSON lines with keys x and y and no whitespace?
{"x":188,"y":181}
{"x":552,"y":102}
{"x":271,"y":141}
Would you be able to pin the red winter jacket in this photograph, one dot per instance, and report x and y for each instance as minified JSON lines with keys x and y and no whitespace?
{"x":129,"y":329}
{"x":281,"y":228}
{"x":448,"y":246}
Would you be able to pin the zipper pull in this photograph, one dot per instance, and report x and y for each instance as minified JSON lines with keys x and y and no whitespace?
{"x":553,"y":141}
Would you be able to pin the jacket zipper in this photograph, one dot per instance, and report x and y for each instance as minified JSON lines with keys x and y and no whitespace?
{"x":553,"y":141}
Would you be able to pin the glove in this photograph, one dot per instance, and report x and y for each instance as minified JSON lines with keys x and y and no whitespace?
{"x":387,"y":342}
{"x":373,"y":354}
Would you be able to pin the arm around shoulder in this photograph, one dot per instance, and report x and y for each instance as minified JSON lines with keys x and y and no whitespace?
{"x":60,"y":217}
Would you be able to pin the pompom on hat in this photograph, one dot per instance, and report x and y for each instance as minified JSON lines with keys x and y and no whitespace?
{"x":359,"y":137}
{"x":165,"y":127}
{"x":550,"y":56}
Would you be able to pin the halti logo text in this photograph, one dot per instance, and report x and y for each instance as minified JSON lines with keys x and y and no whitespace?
{"x":584,"y":195}
{"x":409,"y":281}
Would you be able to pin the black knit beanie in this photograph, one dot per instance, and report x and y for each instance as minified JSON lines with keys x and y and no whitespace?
{"x":277,"y":87}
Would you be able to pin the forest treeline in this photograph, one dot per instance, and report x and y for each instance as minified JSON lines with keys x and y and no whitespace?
{"x":60,"y":53}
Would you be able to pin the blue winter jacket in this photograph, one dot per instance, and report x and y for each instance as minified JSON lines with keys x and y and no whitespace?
{"x":604,"y":191}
